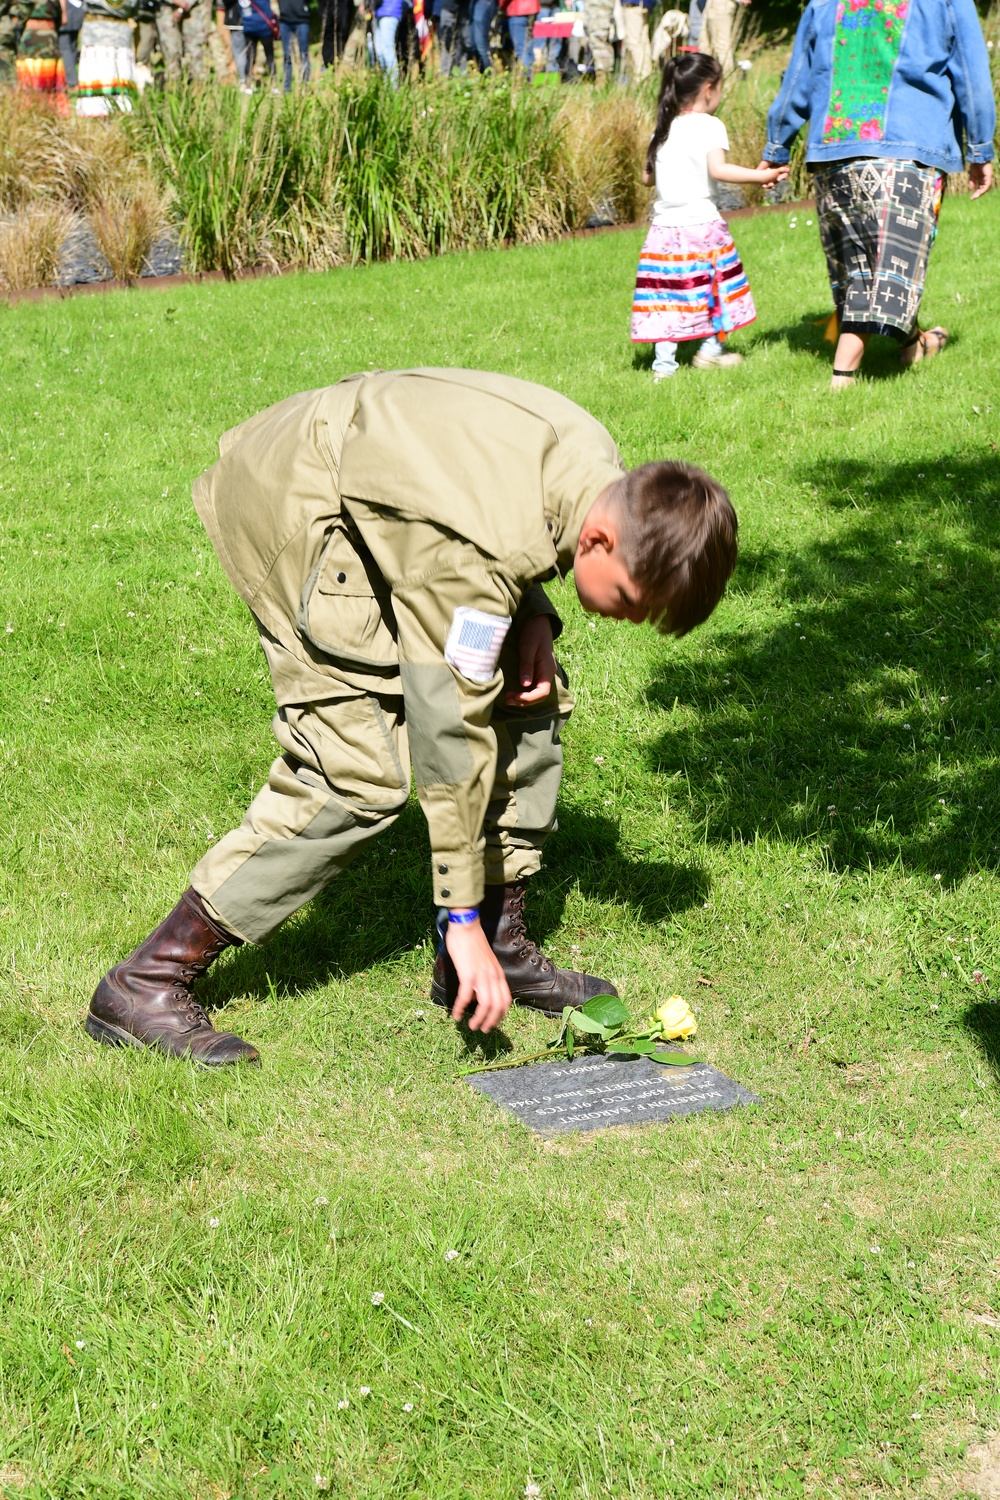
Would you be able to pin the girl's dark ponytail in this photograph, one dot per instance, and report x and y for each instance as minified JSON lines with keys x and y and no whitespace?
{"x":683,"y":79}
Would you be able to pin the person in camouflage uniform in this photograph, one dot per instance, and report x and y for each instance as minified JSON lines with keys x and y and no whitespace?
{"x":9,"y":32}
{"x":598,"y":19}
{"x":184,"y":27}
{"x":390,"y":535}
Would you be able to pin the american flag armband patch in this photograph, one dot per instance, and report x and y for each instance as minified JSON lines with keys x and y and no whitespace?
{"x":474,"y":642}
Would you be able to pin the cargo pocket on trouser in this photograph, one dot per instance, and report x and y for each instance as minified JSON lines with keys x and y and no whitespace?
{"x":343,"y":778}
{"x":522,"y":811}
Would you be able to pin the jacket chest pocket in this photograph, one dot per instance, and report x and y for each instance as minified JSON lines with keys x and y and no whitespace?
{"x":346,"y":606}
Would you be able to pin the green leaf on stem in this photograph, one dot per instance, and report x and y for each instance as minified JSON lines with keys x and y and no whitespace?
{"x":606,"y":1010}
{"x":640,"y":1048}
{"x":569,"y":1044}
{"x":675,"y":1059}
{"x":593,"y":1028}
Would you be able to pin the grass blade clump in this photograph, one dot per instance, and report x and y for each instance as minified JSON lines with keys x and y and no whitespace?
{"x":31,"y":245}
{"x":126,"y":225}
{"x":219,"y":152}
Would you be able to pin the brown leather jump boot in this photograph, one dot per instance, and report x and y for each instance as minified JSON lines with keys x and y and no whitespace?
{"x":534,"y":980}
{"x":147,"y":999}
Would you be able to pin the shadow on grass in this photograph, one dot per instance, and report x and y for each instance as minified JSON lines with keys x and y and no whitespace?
{"x":865,"y":719}
{"x":382,"y":907}
{"x":881,"y":361}
{"x":982,"y":1019}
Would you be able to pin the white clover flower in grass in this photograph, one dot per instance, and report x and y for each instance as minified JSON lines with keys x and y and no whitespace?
{"x":532,"y":1491}
{"x":81,"y":1344}
{"x":322,"y":1202}
{"x":343,"y":1405}
{"x":364,"y":1390}
{"x":407,"y":1405}
{"x":322,"y":1483}
{"x":451,"y":1255}
{"x":378,"y":1298}
{"x":213,"y":1223}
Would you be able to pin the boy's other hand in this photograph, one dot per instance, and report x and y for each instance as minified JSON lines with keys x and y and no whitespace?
{"x":480,"y":976}
{"x":536,"y":665}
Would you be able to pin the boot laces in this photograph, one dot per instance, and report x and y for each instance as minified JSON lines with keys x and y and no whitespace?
{"x":186,"y":978}
{"x":526,"y":948}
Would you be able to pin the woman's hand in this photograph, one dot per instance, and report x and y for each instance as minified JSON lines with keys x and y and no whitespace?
{"x":980,"y":178}
{"x":536,"y":663}
{"x":480,"y":976}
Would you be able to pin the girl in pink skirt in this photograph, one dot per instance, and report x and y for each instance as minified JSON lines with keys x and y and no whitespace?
{"x":691,"y":283}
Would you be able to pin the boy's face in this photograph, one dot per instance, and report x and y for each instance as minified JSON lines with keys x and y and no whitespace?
{"x":601,"y":577}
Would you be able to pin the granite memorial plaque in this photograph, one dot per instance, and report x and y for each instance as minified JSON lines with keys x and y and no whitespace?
{"x":593,"y":1092}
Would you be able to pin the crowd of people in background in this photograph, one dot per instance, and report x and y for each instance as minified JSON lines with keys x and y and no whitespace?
{"x":95,"y":55}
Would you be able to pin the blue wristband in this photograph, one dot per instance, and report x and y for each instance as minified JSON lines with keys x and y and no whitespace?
{"x":446,"y":917}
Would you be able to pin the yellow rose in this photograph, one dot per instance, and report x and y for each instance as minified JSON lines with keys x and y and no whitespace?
{"x":674,"y":1018}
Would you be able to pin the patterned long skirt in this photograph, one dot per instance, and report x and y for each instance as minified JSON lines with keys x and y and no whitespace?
{"x":40,"y":67}
{"x":877,"y":222}
{"x":690,"y":285}
{"x":107,"y":67}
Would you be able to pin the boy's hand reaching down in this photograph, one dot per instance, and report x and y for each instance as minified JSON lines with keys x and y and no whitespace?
{"x":480,"y":977}
{"x":537,"y":665}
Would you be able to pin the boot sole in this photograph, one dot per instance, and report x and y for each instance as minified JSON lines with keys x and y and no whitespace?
{"x":439,"y":997}
{"x":115,"y":1036}
{"x":111,"y":1036}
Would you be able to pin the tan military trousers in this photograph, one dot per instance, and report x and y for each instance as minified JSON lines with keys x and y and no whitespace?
{"x":638,"y":51}
{"x":344,"y":776}
{"x":717,"y":32}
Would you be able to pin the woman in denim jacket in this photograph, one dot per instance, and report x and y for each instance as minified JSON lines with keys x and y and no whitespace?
{"x":889,"y":88}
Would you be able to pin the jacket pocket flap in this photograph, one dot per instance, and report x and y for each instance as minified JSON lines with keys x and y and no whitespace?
{"x":346,"y":608}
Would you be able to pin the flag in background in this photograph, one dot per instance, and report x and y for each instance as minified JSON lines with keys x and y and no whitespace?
{"x":423,"y":29}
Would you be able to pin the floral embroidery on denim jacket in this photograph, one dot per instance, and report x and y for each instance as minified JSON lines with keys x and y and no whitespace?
{"x":866,"y":46}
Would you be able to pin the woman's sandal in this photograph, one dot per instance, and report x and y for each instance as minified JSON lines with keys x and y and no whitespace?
{"x":919,"y":346}
{"x":841,"y":379}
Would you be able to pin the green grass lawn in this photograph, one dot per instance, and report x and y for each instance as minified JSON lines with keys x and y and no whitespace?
{"x":799,"y":803}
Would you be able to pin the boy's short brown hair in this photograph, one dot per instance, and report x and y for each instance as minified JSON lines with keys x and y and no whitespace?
{"x":677,"y":532}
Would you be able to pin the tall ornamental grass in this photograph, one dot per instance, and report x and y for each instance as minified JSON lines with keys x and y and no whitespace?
{"x":55,"y":171}
{"x":358,"y":171}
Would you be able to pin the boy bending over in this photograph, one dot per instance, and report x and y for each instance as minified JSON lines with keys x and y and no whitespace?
{"x":390,"y":535}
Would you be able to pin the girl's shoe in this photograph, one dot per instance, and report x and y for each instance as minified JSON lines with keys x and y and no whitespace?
{"x":716,"y":361}
{"x":923,"y":345}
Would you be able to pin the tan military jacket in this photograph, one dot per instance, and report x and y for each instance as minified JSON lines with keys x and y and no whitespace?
{"x":386,"y":532}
